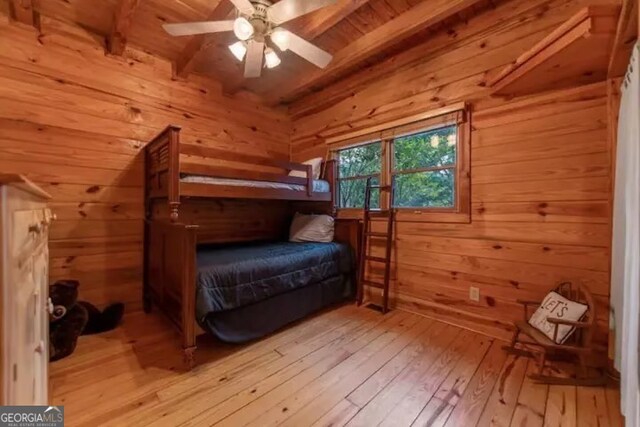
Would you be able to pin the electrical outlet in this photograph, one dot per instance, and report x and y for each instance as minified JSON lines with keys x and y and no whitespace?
{"x":474,"y":294}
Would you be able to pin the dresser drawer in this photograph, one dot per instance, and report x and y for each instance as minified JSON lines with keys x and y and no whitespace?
{"x":30,"y":229}
{"x":24,"y":261}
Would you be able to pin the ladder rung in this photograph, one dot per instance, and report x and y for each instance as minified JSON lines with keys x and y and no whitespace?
{"x":372,"y":234}
{"x":376,"y":259}
{"x":377,"y":285}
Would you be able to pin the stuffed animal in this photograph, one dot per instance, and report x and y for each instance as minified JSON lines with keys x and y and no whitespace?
{"x":71,"y":318}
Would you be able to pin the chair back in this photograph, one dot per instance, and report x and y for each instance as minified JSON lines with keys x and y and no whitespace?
{"x":580,"y":294}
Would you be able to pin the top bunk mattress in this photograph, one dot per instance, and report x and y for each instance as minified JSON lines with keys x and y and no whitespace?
{"x":236,"y":276}
{"x":319,"y":185}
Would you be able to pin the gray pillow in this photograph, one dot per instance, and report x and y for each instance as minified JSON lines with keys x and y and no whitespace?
{"x":311,"y":228}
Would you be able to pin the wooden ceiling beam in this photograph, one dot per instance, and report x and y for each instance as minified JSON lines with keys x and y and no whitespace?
{"x":185,"y":62}
{"x":626,"y":35}
{"x":25,"y":11}
{"x":315,"y":24}
{"x":121,"y":27}
{"x":425,"y":15}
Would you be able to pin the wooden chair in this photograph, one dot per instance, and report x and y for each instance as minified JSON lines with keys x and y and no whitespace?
{"x":578,"y":346}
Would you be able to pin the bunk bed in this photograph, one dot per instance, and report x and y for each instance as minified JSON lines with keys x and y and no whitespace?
{"x":237,"y":286}
{"x":173,"y":174}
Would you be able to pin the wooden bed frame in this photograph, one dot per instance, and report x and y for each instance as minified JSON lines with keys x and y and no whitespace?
{"x":171,"y":239}
{"x":166,"y":159}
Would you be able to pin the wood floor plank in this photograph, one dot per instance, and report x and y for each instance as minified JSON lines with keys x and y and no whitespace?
{"x":314,"y":334}
{"x":400,"y":367}
{"x":165,"y":410}
{"x":440,"y":406}
{"x":532,"y":401}
{"x":268,"y":407}
{"x":592,"y":402}
{"x":469,"y":408}
{"x":384,"y":402}
{"x":338,"y":416}
{"x":561,"y":408}
{"x":226,"y":367}
{"x":93,"y":348}
{"x":70,"y":378}
{"x":501,"y":405}
{"x":612,"y":394}
{"x":296,"y":374}
{"x":317,"y":326}
{"x":115,"y":382}
{"x":203,"y":375}
{"x":378,"y":381}
{"x":328,"y":391}
{"x":407,"y":410}
{"x":177,"y":408}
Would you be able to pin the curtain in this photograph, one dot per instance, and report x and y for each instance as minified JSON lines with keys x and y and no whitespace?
{"x":625,"y":256}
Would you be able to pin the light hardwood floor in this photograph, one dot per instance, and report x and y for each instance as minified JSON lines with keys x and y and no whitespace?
{"x":347,"y":366}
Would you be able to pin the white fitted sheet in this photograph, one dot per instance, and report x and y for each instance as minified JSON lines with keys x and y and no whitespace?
{"x":319,"y":185}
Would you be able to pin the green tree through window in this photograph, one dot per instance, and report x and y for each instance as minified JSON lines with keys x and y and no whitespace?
{"x":355,"y":165}
{"x":423,"y":167}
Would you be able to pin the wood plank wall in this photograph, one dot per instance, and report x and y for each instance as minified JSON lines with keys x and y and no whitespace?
{"x":540,"y":170}
{"x":74,"y":120}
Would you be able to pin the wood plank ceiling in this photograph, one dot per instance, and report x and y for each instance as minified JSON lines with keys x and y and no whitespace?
{"x":357,"y":32}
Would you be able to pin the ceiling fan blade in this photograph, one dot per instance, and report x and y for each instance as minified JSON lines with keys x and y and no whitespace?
{"x":203,"y":27}
{"x":244,"y":6}
{"x":253,"y":60}
{"x":286,"y":10}
{"x":308,"y":51}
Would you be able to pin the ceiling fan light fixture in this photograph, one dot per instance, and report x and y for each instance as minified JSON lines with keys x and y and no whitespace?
{"x":280,"y":38}
{"x":271,"y":59}
{"x":242,"y":28}
{"x":239,"y":50}
{"x":259,"y":38}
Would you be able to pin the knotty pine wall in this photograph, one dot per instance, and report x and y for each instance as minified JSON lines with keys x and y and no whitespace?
{"x":74,"y":121}
{"x":540,"y":170}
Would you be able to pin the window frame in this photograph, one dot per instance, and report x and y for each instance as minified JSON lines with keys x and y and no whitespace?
{"x":394,"y":172}
{"x":356,"y":177}
{"x":461,"y":211}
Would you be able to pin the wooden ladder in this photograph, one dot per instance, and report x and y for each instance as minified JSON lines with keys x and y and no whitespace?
{"x":367,"y":234}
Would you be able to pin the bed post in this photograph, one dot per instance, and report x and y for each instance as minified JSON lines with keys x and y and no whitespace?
{"x":173,"y":190}
{"x":309,"y":180}
{"x":189,"y":294}
{"x":170,"y":273}
{"x":331,"y":175}
{"x":157,"y":167}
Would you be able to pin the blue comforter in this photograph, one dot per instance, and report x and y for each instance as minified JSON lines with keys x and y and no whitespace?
{"x":237,"y":276}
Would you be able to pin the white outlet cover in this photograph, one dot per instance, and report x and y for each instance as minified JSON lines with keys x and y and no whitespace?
{"x":474,"y":294}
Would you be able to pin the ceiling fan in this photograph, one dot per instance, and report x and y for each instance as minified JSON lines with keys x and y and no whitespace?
{"x":258,"y":21}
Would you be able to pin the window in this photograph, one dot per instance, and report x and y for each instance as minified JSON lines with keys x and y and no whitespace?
{"x":427,"y":161}
{"x":424,"y":169}
{"x":355,"y":165}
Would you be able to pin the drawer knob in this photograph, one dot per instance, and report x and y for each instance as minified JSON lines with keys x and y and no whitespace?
{"x":35,"y":228}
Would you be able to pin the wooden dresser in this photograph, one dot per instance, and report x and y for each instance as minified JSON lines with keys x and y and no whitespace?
{"x":24,"y":272}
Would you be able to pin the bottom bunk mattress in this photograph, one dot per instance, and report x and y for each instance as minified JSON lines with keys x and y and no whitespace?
{"x":247,"y":291}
